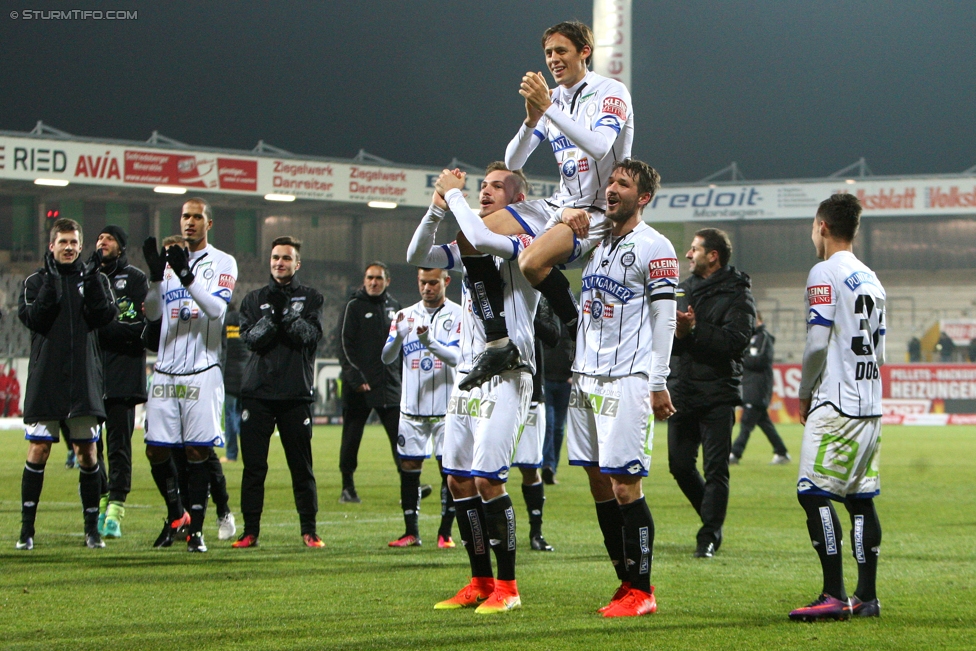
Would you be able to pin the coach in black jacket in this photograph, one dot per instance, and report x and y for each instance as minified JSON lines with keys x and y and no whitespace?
{"x":281,"y":325}
{"x":367,"y":383}
{"x":63,"y":304}
{"x":705,"y":381}
{"x":124,"y":363}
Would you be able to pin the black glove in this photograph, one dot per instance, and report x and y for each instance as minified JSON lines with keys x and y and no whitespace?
{"x":53,"y":277}
{"x":279,"y":303}
{"x":179,"y":261}
{"x":155,"y":260}
{"x":94,"y":264}
{"x":51,"y":267}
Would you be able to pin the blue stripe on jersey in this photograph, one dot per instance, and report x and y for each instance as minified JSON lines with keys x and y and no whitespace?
{"x":816,"y":319}
{"x":450,"y":258}
{"x":539,"y":134}
{"x":521,"y":221}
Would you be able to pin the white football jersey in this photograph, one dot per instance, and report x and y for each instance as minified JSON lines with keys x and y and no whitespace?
{"x":620,"y":280}
{"x":847,"y":297}
{"x":521,"y":301}
{"x":190,"y":341}
{"x":426,"y":381}
{"x":597,"y":103}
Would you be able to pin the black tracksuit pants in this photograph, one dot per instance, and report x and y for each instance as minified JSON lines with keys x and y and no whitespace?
{"x":355,"y":413}
{"x":294,"y":421}
{"x":711,"y":429}
{"x":120,"y":419}
{"x":753,"y":415}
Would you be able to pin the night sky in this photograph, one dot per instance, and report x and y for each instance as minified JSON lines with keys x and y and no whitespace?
{"x":787,"y":89}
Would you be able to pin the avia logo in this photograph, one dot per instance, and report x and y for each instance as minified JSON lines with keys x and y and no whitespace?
{"x":98,"y":167}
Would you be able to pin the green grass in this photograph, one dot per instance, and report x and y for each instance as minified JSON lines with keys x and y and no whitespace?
{"x":358,"y":594}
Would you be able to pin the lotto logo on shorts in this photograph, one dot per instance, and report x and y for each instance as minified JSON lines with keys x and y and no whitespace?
{"x":616,"y":106}
{"x":175,"y":391}
{"x":819,"y":295}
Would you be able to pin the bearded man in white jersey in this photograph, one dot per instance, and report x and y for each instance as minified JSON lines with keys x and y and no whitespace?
{"x":620,"y":378}
{"x":588,"y":121}
{"x":840,"y":407}
{"x":427,"y":333}
{"x":189,"y":290}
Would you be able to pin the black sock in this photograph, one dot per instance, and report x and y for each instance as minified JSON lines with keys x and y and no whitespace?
{"x":500,"y":516}
{"x":89,"y":486}
{"x":447,"y":509}
{"x":30,"y":494}
{"x":557,"y":291}
{"x":825,"y":534}
{"x":535,"y":497}
{"x":102,"y":475}
{"x":471,"y":529}
{"x":612,"y":525}
{"x":488,"y":294}
{"x":198,"y":486}
{"x":218,"y":484}
{"x":410,"y":500}
{"x":866,"y":540}
{"x":347,"y":481}
{"x":638,"y":542}
{"x":164,"y":474}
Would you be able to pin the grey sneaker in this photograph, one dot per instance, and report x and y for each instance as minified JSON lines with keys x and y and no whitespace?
{"x":349,"y":496}
{"x":780,"y":459}
{"x":93,"y":540}
{"x":227,"y":527}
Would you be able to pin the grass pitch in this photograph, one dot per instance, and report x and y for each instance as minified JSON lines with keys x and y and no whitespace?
{"x":359,"y":594}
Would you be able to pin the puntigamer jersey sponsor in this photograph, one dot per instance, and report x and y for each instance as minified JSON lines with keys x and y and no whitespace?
{"x":620,"y":280}
{"x":427,"y":381}
{"x":847,"y":297}
{"x":190,"y":341}
{"x":597,"y":103}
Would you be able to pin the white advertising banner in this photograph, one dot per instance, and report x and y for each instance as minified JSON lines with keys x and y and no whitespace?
{"x":611,"y":29}
{"x":883,"y":198}
{"x":92,"y":163}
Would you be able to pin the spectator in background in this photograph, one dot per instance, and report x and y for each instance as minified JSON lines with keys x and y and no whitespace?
{"x":367,"y":383}
{"x":559,"y":381}
{"x":914,"y":350}
{"x":124,"y":361}
{"x":757,"y":391}
{"x":235,"y":359}
{"x":946,"y":347}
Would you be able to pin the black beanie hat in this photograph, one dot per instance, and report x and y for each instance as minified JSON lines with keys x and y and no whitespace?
{"x":118,"y":234}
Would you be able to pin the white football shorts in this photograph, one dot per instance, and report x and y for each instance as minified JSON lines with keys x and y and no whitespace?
{"x":483,"y":425}
{"x":186,"y":409}
{"x":611,"y":424}
{"x":839,"y":456}
{"x":528,"y":451}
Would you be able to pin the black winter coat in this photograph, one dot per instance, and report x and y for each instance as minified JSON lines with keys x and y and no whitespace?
{"x":283,"y":346}
{"x":757,"y":378}
{"x":363,"y":329}
{"x":706,"y":366}
{"x":236,"y":354}
{"x":123,"y":352}
{"x":63,"y":312}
